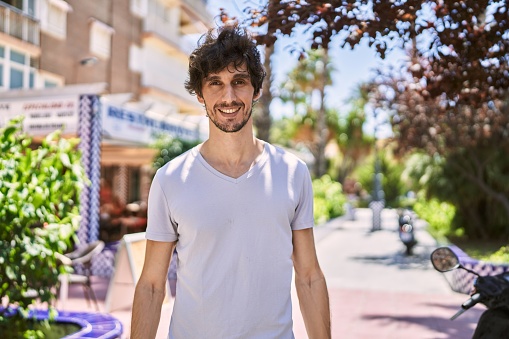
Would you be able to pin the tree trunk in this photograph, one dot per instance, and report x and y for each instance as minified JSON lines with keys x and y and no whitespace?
{"x":321,"y":130}
{"x":261,"y":118}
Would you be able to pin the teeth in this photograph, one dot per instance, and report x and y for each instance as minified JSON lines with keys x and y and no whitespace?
{"x":232,"y":110}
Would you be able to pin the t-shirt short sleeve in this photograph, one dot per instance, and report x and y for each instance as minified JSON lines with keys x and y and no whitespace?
{"x":303,"y":217}
{"x":159,"y":224}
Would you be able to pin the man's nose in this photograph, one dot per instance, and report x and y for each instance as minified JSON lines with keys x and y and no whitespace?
{"x":229,"y":94}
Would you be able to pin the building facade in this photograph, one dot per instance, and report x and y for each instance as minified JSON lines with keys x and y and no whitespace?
{"x":137,"y":48}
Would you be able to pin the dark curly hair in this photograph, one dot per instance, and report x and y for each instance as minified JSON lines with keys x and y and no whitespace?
{"x":232,"y":45}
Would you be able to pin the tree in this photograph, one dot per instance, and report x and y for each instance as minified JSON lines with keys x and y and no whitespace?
{"x":453,"y":95}
{"x":261,"y":113}
{"x":353,"y":145}
{"x":472,"y":142}
{"x":464,"y":44}
{"x":306,"y":82}
{"x":39,"y":214}
{"x":261,"y":116}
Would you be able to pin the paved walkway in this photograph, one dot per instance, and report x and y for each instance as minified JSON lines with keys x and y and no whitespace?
{"x":378,"y":292}
{"x":375,"y":290}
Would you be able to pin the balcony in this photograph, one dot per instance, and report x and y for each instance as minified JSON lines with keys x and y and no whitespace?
{"x":17,"y":24}
{"x":199,"y":6}
{"x":196,"y":15}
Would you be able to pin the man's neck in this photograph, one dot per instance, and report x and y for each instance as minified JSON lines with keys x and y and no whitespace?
{"x":232,"y":154}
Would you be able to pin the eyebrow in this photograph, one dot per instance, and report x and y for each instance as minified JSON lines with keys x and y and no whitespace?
{"x":242,"y":76}
{"x":236,"y":76}
{"x":211,"y":77}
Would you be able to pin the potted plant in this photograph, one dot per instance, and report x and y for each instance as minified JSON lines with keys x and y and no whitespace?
{"x":39,"y":215}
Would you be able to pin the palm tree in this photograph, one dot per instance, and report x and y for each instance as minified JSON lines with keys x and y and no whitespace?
{"x":306,"y":86}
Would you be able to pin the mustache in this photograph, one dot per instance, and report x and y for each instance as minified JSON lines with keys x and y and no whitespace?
{"x":226,"y":104}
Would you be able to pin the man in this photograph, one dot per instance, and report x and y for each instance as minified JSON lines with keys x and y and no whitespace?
{"x":240,"y":213}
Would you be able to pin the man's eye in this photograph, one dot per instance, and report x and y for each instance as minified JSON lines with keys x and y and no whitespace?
{"x":239,"y":82}
{"x":214,"y":83}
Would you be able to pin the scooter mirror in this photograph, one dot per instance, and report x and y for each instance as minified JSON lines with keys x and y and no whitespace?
{"x":444,"y":259}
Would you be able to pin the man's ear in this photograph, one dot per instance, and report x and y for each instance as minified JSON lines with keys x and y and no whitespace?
{"x":200,"y":99}
{"x":257,"y":95}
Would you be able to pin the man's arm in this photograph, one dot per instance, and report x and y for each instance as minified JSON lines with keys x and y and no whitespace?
{"x":151,"y":289}
{"x":311,"y":286}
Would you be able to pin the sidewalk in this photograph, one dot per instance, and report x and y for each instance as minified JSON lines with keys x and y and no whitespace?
{"x":375,"y":290}
{"x":378,"y":292}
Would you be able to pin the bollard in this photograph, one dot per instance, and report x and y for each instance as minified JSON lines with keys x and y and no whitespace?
{"x":376,"y":207}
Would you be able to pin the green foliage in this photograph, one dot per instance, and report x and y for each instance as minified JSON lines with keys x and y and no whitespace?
{"x":328,"y":199}
{"x":353,"y":145}
{"x":456,"y":179}
{"x":481,"y":212}
{"x":439,"y":216}
{"x":283,"y":131}
{"x":392,"y":184}
{"x":499,"y":257}
{"x":304,"y":78}
{"x":37,"y":329}
{"x":394,"y":188}
{"x":39,"y":214}
{"x":170,"y":148}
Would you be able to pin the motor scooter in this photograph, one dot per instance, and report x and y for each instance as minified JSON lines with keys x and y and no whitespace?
{"x":492,"y":291}
{"x":406,"y":230}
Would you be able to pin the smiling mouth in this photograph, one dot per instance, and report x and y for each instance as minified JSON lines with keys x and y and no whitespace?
{"x":229,"y":110}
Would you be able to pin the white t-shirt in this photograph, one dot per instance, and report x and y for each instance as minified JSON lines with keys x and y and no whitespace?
{"x":234,"y":243}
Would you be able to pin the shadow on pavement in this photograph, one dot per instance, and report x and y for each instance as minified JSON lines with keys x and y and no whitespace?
{"x":398,"y":259}
{"x":448,"y":328}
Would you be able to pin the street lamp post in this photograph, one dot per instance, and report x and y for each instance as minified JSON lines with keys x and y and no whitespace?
{"x":377,"y":203}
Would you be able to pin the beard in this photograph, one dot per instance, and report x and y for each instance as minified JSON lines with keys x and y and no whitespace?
{"x":228,"y":127}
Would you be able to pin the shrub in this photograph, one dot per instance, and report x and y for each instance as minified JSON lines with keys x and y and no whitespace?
{"x":391,"y":179}
{"x":329,"y":199}
{"x":170,"y":148}
{"x":39,"y":191}
{"x":500,"y":257}
{"x":439,"y":216}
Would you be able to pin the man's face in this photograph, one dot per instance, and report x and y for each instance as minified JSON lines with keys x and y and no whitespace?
{"x":228,"y":98}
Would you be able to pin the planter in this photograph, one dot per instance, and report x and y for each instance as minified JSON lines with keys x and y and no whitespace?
{"x":93,"y":325}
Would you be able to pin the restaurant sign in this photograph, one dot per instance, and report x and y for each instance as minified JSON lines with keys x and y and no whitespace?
{"x":122,"y":124}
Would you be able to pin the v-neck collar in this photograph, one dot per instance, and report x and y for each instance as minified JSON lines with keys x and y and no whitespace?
{"x":260,"y":160}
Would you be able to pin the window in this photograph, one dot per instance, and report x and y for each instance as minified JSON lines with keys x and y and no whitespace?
{"x":50,"y":84}
{"x":16,"y":80}
{"x":31,"y":79}
{"x":2,"y":53}
{"x":47,"y":79}
{"x":18,"y":57}
{"x":16,"y":69}
{"x":100,"y":39}
{"x":54,"y":18}
{"x":139,"y":8}
{"x":15,"y":3}
{"x":26,"y":6}
{"x":30,"y":7}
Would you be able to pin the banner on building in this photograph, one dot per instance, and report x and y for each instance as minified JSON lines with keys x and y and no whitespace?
{"x":43,"y":115}
{"x":122,"y":124}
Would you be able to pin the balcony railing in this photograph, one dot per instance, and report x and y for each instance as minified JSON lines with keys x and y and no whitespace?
{"x":17,"y":24}
{"x":200,"y":6}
